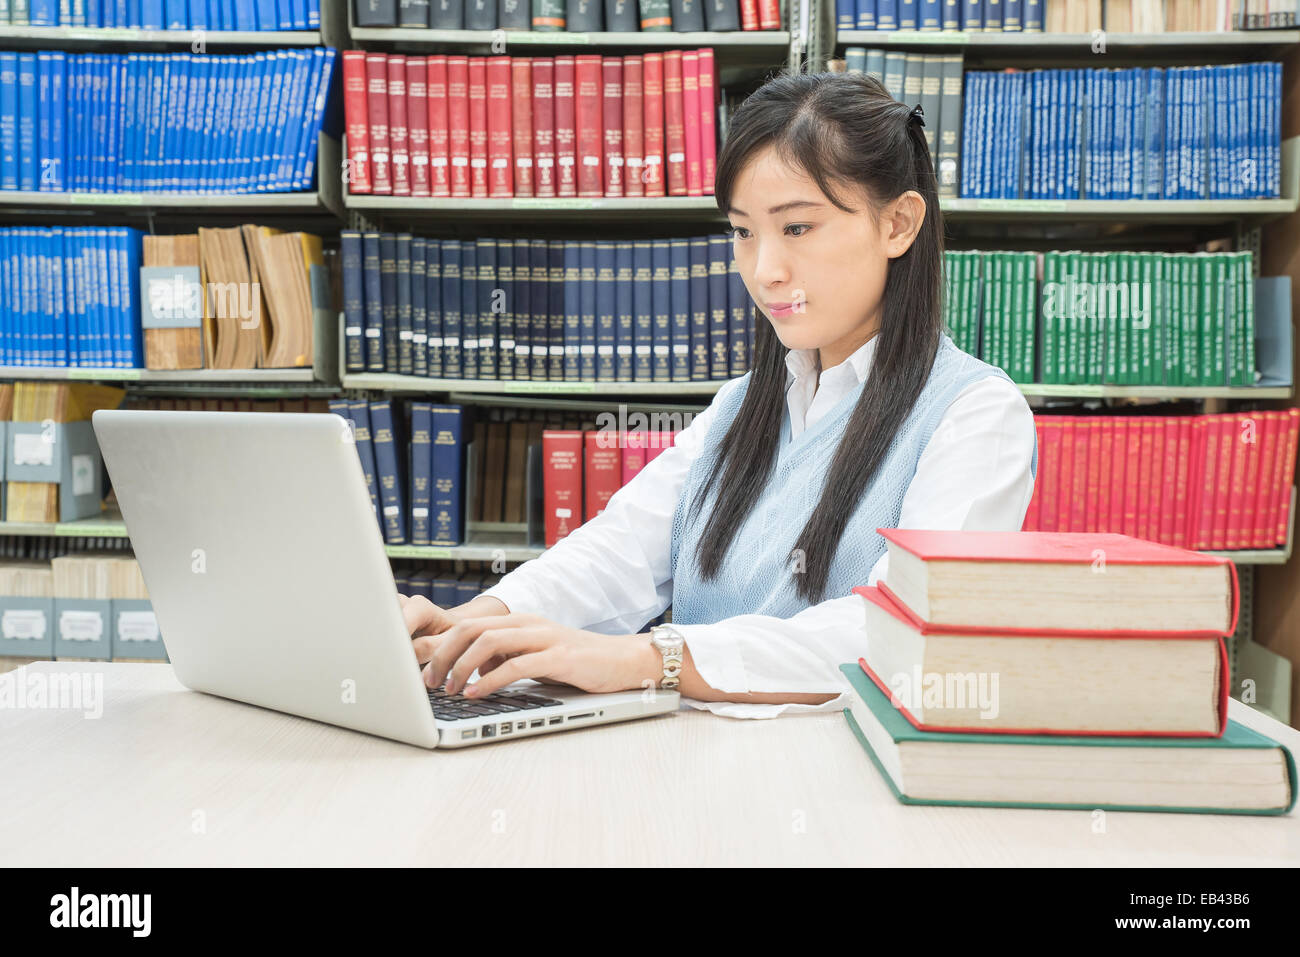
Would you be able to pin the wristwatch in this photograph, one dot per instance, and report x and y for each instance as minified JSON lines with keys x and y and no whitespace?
{"x":670,"y":643}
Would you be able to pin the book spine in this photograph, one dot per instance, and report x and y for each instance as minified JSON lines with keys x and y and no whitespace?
{"x":359,"y":413}
{"x":373,"y":302}
{"x":377,"y":113}
{"x":417,"y":123}
{"x":433,"y":308}
{"x":458,"y":135}
{"x":642,"y":311}
{"x":602,"y":473}
{"x":587,"y":310}
{"x":612,"y":123}
{"x":478,"y":126}
{"x":383,"y":438}
{"x":624,"y":335}
{"x":566,"y":142}
{"x":447,"y":469}
{"x":653,"y":95}
{"x":587,"y":82}
{"x":469,"y":310}
{"x":674,"y":123}
{"x":421,"y":471}
{"x":437,"y":106}
{"x":487,"y":343}
{"x":606,"y":318}
{"x":572,"y":293}
{"x":562,"y":483}
{"x":419,"y":308}
{"x":633,"y":131}
{"x":499,"y":124}
{"x":354,"y":300}
{"x":543,"y":74}
{"x":719,"y":347}
{"x":661,"y":333}
{"x":397,"y":129}
{"x":521,"y":113}
{"x":449,"y":349}
{"x":402,"y":285}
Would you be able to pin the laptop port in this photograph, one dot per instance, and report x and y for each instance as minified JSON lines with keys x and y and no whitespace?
{"x":489,"y":730}
{"x":538,"y":723}
{"x":469,"y":733}
{"x":506,"y":728}
{"x":555,"y":720}
{"x":575,"y":717}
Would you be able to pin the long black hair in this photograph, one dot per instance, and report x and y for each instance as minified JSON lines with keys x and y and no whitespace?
{"x":841,"y":129}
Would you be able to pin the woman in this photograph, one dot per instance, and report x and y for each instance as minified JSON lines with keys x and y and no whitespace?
{"x":858,"y":413}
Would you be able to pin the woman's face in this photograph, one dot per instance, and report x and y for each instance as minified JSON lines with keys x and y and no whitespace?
{"x":816,"y":272}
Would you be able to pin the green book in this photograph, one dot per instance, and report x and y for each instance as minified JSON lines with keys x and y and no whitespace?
{"x":1248,"y":314}
{"x":548,"y":16}
{"x":1241,"y":772}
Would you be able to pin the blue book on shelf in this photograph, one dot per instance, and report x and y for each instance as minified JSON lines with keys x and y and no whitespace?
{"x":719,"y":346}
{"x":449,"y":431}
{"x":451,"y":313}
{"x":1012,"y":16}
{"x":556,"y":316}
{"x":642,"y":312}
{"x":419,"y":318}
{"x":624,"y":333}
{"x":930,"y":16}
{"x":846,"y":14}
{"x":972,"y":15}
{"x":738,"y":303}
{"x":421,"y":471}
{"x":572,"y":310}
{"x":539,"y":305}
{"x":469,"y":310}
{"x":307,"y":117}
{"x":485,"y":254}
{"x":587,"y":310}
{"x":1153,"y":183}
{"x":970,"y":82}
{"x":198,"y":14}
{"x":392,"y":494}
{"x":119,"y":13}
{"x":151,"y":14}
{"x":433,"y":308}
{"x":244,"y":15}
{"x":43,"y":13}
{"x":325,"y":78}
{"x":175,"y":13}
{"x":372,"y":316}
{"x":289,"y":116}
{"x":606,"y":315}
{"x":908,"y":14}
{"x":661,"y":331}
{"x":1033,"y":15}
{"x":9,"y":156}
{"x":359,"y":412}
{"x":28,"y":123}
{"x":886,"y":15}
{"x":402,"y":286}
{"x":699,"y":258}
{"x":679,"y":255}
{"x":313,"y":14}
{"x":261,"y":96}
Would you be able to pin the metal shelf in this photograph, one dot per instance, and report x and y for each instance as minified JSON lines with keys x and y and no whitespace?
{"x":1058,"y":44}
{"x":94,"y":38}
{"x":1053,"y":390}
{"x":251,"y":377}
{"x":693,"y":208}
{"x":385,"y":382}
{"x":422,"y":37}
{"x":1253,"y":211}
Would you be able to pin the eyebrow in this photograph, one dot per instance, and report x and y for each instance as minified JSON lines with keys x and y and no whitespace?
{"x":793,"y":204}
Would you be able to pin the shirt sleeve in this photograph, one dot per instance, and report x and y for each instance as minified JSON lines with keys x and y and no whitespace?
{"x":973,"y":474}
{"x":612,"y":574}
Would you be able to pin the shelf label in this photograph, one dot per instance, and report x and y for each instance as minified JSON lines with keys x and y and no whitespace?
{"x":23,"y":624}
{"x":579,"y":388}
{"x":929,"y":36}
{"x":106,"y":199}
{"x":522,"y":36}
{"x":81,"y":626}
{"x":103,"y":529}
{"x":417,"y":551}
{"x":131,"y":374}
{"x":137,"y":626}
{"x":1024,"y":205}
{"x":548,"y":203}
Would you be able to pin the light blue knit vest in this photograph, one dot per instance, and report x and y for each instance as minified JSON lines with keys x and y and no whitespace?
{"x":756,"y":576}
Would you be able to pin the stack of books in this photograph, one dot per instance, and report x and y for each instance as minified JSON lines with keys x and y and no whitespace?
{"x":1057,"y":671}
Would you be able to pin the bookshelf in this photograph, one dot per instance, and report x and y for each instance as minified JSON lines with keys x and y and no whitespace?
{"x":1150,"y":46}
{"x":106,"y":38}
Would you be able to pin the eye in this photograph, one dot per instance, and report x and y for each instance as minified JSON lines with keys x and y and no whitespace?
{"x":737,"y":231}
{"x":803,"y":226}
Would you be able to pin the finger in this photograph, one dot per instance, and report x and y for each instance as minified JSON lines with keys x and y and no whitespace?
{"x":494,"y":662}
{"x":536,"y":664}
{"x":495,"y":642}
{"x":423,"y":617}
{"x":459,"y":637}
{"x":425,"y":646}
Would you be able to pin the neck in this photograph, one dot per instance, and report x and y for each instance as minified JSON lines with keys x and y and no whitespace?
{"x":833,"y":354}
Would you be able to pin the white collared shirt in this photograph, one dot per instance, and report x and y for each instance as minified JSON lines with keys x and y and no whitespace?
{"x":613,"y":573}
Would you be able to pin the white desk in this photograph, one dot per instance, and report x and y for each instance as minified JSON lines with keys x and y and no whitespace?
{"x":170,"y":777}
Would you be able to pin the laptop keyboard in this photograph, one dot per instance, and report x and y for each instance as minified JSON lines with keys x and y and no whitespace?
{"x":459,"y":708}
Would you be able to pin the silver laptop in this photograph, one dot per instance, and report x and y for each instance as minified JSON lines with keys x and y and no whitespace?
{"x":266,"y":569}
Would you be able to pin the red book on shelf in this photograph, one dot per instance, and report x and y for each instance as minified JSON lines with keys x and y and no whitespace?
{"x":1146,"y":457}
{"x":1133,"y":500}
{"x":586,"y":87}
{"x":1168,"y":481}
{"x":948,"y":549}
{"x":501,"y":179}
{"x":656,"y":442}
{"x":417,"y":122}
{"x":357,"y":120}
{"x":1261,"y":491}
{"x":633,"y":455}
{"x":544,"y":124}
{"x":769,"y":14}
{"x":749,"y":14}
{"x":1155,"y":496}
{"x":880,"y":598}
{"x":1065,"y":480}
{"x":1223,"y":480}
{"x":561,"y":482}
{"x":1105,"y":436}
{"x":377,"y":110}
{"x":633,"y":140}
{"x":708,"y":118}
{"x":1115,"y":477}
{"x":1182,"y":482}
{"x":1206,"y":457}
{"x":674,"y":124}
{"x":1079,"y":474}
{"x":652,"y":86}
{"x":691,"y":123}
{"x":611,"y":74}
{"x":439,"y":160}
{"x":603,"y":475}
{"x":1274,"y":482}
{"x":458,"y":124}
{"x":1244,"y":436}
{"x":397,"y":135}
{"x":1290,"y":428}
{"x":521,"y":111}
{"x":478,"y":127}
{"x":1092,"y":487}
{"x":566,"y":139}
{"x":1030,"y":524}
{"x":1049,"y":466}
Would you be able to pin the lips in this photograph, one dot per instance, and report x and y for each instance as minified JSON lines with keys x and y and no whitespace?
{"x":780,"y":308}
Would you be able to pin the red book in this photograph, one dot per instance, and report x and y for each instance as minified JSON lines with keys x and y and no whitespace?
{"x":358,"y":123}
{"x":1291,"y":429}
{"x":439,"y":160}
{"x":1223,"y":424}
{"x":1182,"y":484}
{"x":611,"y":75}
{"x":633,"y":455}
{"x":1169,"y":480}
{"x":633,"y":140}
{"x":674,"y":124}
{"x":501,"y":179}
{"x":1049,"y":464}
{"x":377,"y":110}
{"x":883,"y":647}
{"x":478,"y":127}
{"x":565,"y":134}
{"x":1208,"y":457}
{"x":1243,"y":435}
{"x":603,"y":474}
{"x":652,"y":122}
{"x":1248,"y":537}
{"x":397,"y":134}
{"x":749,"y":14}
{"x":1271,"y":479}
{"x":1079,"y":474}
{"x":1105,"y":435}
{"x":1030,"y":524}
{"x":1155,"y":480}
{"x":656,"y":442}
{"x":769,"y":15}
{"x":458,"y":124}
{"x":544,"y":124}
{"x":1092,"y":490}
{"x":708,"y":117}
{"x":588,"y":124}
{"x":1065,"y":473}
{"x":1094,"y":569}
{"x":1133,"y":501}
{"x":1118,"y":448}
{"x":417,"y":122}
{"x":691,"y":123}
{"x":561,"y":482}
{"x":521,"y":111}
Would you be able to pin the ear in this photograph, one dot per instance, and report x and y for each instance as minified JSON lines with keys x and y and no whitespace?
{"x":902,"y":221}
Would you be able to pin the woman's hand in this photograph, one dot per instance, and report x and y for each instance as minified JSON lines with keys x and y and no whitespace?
{"x":508,"y":648}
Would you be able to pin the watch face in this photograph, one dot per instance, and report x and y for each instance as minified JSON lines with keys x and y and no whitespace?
{"x":664,"y":639}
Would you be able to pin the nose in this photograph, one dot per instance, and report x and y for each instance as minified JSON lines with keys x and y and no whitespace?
{"x":770,"y":267}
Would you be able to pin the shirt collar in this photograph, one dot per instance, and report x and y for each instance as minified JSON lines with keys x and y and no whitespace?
{"x":802,"y":362}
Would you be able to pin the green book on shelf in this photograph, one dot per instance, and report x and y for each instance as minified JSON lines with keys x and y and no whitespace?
{"x":1241,"y":772}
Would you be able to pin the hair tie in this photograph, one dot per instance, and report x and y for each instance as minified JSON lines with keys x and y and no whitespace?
{"x":917,"y":115}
